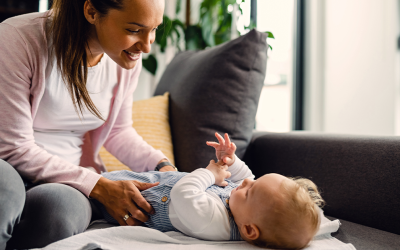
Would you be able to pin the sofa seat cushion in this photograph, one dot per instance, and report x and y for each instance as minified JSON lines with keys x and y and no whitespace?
{"x":366,"y":238}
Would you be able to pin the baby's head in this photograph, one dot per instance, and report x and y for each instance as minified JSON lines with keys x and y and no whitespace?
{"x":276,"y":212}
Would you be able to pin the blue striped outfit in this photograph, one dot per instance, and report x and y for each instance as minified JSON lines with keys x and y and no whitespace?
{"x":223,"y":193}
{"x":159,"y":197}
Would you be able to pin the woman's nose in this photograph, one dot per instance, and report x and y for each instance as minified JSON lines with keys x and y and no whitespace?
{"x":146,"y":41}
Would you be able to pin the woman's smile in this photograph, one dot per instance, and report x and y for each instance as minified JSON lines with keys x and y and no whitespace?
{"x":133,"y":56}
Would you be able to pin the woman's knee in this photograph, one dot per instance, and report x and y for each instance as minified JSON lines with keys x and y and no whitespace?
{"x":52,"y":212}
{"x":11,"y":182}
{"x":62,"y":209}
{"x":12,"y":200}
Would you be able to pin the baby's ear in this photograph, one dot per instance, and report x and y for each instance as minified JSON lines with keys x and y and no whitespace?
{"x":250,"y":231}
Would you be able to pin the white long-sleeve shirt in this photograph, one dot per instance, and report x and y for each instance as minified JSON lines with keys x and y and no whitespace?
{"x":57,"y":128}
{"x":199,"y":213}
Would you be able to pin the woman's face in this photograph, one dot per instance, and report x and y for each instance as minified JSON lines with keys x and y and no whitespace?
{"x":124,"y":34}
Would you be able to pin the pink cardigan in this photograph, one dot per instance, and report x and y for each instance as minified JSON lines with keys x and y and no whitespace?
{"x":24,"y":55}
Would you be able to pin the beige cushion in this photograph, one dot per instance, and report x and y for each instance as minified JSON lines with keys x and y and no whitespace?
{"x":151,"y":121}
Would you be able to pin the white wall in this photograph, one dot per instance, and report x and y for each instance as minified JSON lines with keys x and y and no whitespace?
{"x":351,"y":78}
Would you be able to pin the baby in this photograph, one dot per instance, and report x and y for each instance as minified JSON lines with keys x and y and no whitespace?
{"x":224,"y":202}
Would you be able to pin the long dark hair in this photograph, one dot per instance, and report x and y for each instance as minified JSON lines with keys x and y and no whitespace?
{"x":69,"y":31}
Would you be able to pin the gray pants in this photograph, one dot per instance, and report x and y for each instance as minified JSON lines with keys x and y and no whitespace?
{"x":42,"y":215}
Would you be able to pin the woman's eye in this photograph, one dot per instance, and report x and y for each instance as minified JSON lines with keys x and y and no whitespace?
{"x":133,"y":31}
{"x":155,"y":29}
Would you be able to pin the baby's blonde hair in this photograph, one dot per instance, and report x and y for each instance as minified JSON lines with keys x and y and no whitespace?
{"x":297,"y":212}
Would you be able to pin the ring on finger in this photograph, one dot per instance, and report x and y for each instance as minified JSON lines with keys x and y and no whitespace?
{"x":127,"y":216}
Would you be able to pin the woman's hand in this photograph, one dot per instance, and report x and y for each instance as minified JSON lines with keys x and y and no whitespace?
{"x":123,"y":197}
{"x":224,"y":150}
{"x":220,"y":172}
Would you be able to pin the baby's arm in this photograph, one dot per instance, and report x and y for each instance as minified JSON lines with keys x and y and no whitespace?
{"x":239,"y":171}
{"x":198,"y":213}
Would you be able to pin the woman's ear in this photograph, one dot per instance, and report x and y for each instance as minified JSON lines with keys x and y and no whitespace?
{"x":250,"y":231}
{"x":90,"y":12}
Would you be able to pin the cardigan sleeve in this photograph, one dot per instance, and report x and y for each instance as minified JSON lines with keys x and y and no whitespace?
{"x":19,"y":74}
{"x":124,"y":142}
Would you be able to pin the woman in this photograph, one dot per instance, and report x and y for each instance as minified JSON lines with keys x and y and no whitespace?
{"x":66,"y":84}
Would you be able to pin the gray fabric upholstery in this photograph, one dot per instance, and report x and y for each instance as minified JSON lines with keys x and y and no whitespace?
{"x":366,"y":238}
{"x":358,"y":175}
{"x":214,"y":90}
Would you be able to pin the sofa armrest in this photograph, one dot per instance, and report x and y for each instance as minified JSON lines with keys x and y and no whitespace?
{"x":358,"y":175}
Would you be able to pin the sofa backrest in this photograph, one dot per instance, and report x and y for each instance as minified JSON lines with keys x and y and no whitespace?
{"x":359,"y":176}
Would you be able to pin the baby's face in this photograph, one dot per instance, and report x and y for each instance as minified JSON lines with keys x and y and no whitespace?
{"x":255,"y":198}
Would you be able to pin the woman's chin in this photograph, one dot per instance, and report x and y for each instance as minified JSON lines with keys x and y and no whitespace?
{"x":124,"y":63}
{"x":128,"y":65}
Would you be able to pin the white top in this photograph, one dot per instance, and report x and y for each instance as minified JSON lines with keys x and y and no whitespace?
{"x":57,"y":126}
{"x":201,"y":214}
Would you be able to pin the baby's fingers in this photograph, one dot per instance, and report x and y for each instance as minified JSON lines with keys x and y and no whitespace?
{"x":226,"y":160}
{"x":212,"y":144}
{"x":224,"y":184}
{"x":232,"y":147}
{"x":220,"y":139}
{"x":227,"y":175}
{"x":227,"y":140}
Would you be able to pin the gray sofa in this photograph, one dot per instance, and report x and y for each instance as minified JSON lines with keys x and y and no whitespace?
{"x":218,"y":90}
{"x":358,"y":175}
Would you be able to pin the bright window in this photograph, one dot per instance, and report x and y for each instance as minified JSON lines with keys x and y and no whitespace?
{"x":275,"y":106}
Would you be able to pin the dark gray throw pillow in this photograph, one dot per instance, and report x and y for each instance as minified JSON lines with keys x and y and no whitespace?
{"x":214,"y":90}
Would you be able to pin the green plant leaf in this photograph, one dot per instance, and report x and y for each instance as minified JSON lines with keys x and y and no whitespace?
{"x":194,"y":38}
{"x":207,"y":29}
{"x":270,"y":35}
{"x":163,"y":33}
{"x":270,"y":46}
{"x":150,"y":64}
{"x":178,"y":23}
{"x":178,"y":6}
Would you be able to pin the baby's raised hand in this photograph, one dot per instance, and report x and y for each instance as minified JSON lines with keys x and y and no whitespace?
{"x":224,"y":150}
{"x":219,"y":170}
